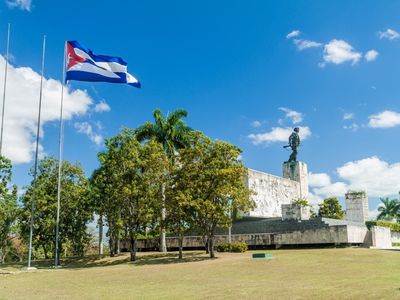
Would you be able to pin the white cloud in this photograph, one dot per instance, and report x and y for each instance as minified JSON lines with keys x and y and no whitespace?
{"x":318,"y":179}
{"x":339,"y":51}
{"x":371,"y":55}
{"x":102,"y":106}
{"x":22,"y":101}
{"x":293,"y":34}
{"x":21,"y":4}
{"x":256,"y":124}
{"x":385,"y":119}
{"x":389,"y":34}
{"x":373,"y":175}
{"x":352,"y":127}
{"x":348,"y":116}
{"x":305,"y":44}
{"x":295,"y":116}
{"x":86,"y":128}
{"x":278,"y":134}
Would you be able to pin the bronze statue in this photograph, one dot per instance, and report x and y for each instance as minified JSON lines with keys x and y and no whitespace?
{"x":294,"y":144}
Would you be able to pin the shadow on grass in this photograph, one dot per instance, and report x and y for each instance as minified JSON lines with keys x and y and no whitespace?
{"x":93,"y":261}
{"x":169,"y":258}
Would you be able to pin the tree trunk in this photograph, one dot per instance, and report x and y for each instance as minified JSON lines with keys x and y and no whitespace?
{"x":206,"y":245}
{"x":117,"y":246}
{"x":211,"y":242}
{"x":111,"y":245}
{"x":180,"y":245}
{"x":100,"y":234}
{"x":163,"y":242}
{"x":133,"y":247}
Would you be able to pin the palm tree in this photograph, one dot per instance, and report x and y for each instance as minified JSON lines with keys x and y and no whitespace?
{"x":389,"y":210}
{"x":170,"y":131}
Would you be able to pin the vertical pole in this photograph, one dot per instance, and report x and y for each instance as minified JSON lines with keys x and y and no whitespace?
{"x":60,"y":148}
{"x":4,"y":90}
{"x":36,"y":156}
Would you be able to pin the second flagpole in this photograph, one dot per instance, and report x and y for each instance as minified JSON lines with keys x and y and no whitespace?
{"x":4,"y":90}
{"x":60,"y":148}
{"x":36,"y":158}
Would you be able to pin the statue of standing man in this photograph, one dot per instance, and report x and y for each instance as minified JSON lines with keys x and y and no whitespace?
{"x":294,"y":144}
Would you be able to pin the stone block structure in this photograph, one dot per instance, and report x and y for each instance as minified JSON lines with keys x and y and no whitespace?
{"x":295,"y":212}
{"x":274,"y":191}
{"x":271,"y":192}
{"x":356,"y":206}
{"x":297,"y":171}
{"x":381,"y":237}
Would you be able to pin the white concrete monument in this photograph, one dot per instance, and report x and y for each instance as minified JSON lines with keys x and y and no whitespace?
{"x":297,"y":171}
{"x":356,"y":206}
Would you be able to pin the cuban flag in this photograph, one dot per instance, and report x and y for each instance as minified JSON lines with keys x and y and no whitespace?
{"x":84,"y":65}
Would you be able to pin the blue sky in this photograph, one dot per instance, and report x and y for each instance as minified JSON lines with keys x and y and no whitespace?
{"x":245,"y":71}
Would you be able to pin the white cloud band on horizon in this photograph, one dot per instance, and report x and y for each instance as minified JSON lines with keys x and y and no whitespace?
{"x":21,"y":110}
{"x":373,"y":175}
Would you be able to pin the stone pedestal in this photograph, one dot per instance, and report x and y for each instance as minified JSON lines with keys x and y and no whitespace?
{"x":356,"y":206}
{"x":381,"y":237}
{"x":295,"y":212}
{"x":297,"y":171}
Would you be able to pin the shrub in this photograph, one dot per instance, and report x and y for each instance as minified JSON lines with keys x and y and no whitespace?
{"x":392,"y":226}
{"x":236,"y":247}
{"x":396,"y":244}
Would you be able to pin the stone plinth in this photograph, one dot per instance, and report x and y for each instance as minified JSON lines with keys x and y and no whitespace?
{"x":297,"y":171}
{"x":295,"y":212}
{"x":381,"y":237}
{"x":356,"y":206}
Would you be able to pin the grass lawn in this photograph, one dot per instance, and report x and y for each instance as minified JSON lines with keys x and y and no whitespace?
{"x":348,"y":273}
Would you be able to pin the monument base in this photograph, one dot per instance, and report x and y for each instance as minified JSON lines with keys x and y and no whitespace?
{"x":297,"y":171}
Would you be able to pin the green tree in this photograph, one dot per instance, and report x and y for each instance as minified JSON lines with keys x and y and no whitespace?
{"x":179,"y":203}
{"x":301,"y":201}
{"x":136,"y":175}
{"x":75,"y":213}
{"x":389,"y":210}
{"x":173,"y":134}
{"x":107,"y":203}
{"x":8,"y":208}
{"x":331,"y":208}
{"x":213,"y":178}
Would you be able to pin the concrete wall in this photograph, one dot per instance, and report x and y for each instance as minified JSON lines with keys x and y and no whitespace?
{"x":381,"y":237}
{"x":356,"y":206}
{"x":272,"y":191}
{"x":329,"y":235}
{"x":395,"y":235}
{"x":357,"y":234}
{"x":260,"y":239}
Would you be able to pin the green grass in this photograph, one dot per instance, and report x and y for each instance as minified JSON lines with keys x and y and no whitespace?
{"x":347,"y":273}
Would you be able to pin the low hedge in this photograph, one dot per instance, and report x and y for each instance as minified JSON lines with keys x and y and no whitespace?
{"x":236,"y":247}
{"x":392,"y":226}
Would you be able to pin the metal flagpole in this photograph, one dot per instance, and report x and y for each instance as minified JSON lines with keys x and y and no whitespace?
{"x":36,"y":156}
{"x":60,"y":146}
{"x":4,"y":90}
